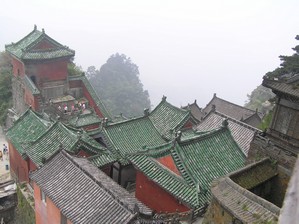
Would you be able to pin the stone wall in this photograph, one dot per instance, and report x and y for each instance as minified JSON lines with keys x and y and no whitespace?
{"x":261,"y":147}
{"x":216,"y":214}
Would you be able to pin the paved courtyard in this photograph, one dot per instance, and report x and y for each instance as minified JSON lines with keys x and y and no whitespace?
{"x":4,"y":163}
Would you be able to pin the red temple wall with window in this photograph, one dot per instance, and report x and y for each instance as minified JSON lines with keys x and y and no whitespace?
{"x":45,"y":212}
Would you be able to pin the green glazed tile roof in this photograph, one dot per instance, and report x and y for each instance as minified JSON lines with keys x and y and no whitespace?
{"x":28,"y":82}
{"x":102,"y":160}
{"x":84,"y":120}
{"x":93,"y":94}
{"x":132,"y":135}
{"x":167,"y":179}
{"x":167,"y":117}
{"x":27,"y":128}
{"x":199,"y":159}
{"x":24,"y":49}
{"x":214,"y":154}
{"x":56,"y":136}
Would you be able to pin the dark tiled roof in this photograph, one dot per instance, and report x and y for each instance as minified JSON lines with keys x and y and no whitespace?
{"x":242,"y":133}
{"x":84,"y":194}
{"x":93,"y":94}
{"x":56,"y":137}
{"x":27,"y":128}
{"x":196,"y":111}
{"x":83,"y":120}
{"x":166,"y":117}
{"x":244,"y":205}
{"x":199,"y":159}
{"x":230,"y":109}
{"x":24,"y":49}
{"x":291,"y":89}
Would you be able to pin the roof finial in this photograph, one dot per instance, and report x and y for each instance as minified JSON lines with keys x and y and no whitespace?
{"x":35,"y":27}
{"x":43,"y":30}
{"x":164,"y":98}
{"x":214,"y":94}
{"x":213,"y":107}
{"x":225,"y":123}
{"x":178,"y":136}
{"x":146,"y":112}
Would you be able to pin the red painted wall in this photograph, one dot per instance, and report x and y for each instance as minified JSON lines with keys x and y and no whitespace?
{"x":91,"y":102}
{"x":17,"y":67}
{"x":86,"y":94}
{"x":75,"y":84}
{"x":43,"y":45}
{"x":188,"y":124}
{"x":155,"y":197}
{"x":53,"y":70}
{"x":30,"y":99}
{"x":169,"y":163}
{"x":45,"y":213}
{"x":82,"y":153}
{"x":91,"y":127}
{"x":18,"y":166}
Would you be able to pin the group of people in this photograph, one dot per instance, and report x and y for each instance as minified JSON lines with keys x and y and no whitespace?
{"x":80,"y":106}
{"x":5,"y":152}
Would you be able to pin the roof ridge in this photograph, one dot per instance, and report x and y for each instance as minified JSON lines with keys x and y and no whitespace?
{"x":237,"y":105}
{"x":234,"y":120}
{"x":181,"y":166}
{"x":125,"y":121}
{"x":216,"y":97}
{"x":207,"y":134}
{"x":164,"y":101}
{"x":33,"y":31}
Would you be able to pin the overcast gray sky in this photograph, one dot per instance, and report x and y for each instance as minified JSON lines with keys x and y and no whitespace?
{"x":185,"y":50}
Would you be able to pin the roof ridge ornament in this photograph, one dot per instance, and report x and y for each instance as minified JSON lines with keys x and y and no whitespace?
{"x":178,"y":136}
{"x":43,"y":30}
{"x":35,"y":27}
{"x":225,"y":123}
{"x":164,"y":98}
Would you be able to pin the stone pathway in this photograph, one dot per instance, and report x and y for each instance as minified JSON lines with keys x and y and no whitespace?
{"x":4,"y":164}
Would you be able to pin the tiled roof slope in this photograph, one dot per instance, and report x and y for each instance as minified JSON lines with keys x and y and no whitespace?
{"x":196,"y":111}
{"x":93,"y":94}
{"x":244,"y":205}
{"x":199,"y":159}
{"x":28,"y":82}
{"x":132,"y":135}
{"x":242,"y":133}
{"x":24,"y":49}
{"x":230,"y":109}
{"x":102,"y":159}
{"x":56,"y":137}
{"x":84,"y":194}
{"x":27,"y":128}
{"x":166,"y":117}
{"x":83,"y":120}
{"x":289,"y":88}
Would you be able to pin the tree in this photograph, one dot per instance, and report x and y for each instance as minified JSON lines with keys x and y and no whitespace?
{"x":74,"y":70}
{"x":118,"y":85}
{"x":5,"y":86}
{"x":288,"y":68}
{"x":289,"y":65}
{"x":260,"y":98}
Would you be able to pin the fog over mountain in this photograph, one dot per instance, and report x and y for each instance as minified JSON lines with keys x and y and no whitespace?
{"x":185,"y":50}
